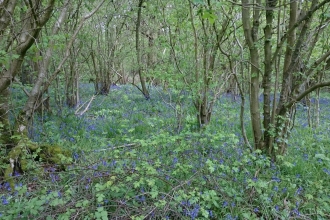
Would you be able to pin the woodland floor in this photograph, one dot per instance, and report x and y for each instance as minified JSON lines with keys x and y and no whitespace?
{"x":130,"y":162}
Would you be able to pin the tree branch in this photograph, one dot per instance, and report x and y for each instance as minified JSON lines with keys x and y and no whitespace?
{"x":306,"y":92}
{"x":285,"y":36}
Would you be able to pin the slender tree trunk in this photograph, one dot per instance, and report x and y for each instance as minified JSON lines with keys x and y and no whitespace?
{"x":270,"y":6}
{"x":138,"y":52}
{"x":251,"y":36}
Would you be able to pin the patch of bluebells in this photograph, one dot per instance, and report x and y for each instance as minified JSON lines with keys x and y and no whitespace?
{"x":4,"y":200}
{"x":5,"y":186}
{"x":295,"y":212}
{"x":276,"y":179}
{"x":326,"y":171}
{"x":190,"y":210}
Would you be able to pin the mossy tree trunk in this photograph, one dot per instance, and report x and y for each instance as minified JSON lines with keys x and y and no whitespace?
{"x":5,"y":130}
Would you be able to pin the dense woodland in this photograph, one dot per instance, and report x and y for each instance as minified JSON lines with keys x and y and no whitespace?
{"x":178,"y":109}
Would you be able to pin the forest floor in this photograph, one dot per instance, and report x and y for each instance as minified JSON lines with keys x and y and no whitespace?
{"x":132,"y":160}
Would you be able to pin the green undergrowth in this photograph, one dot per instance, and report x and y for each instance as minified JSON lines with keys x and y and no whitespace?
{"x":130,"y":162}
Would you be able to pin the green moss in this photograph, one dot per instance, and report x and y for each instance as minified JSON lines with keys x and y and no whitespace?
{"x":27,"y":151}
{"x":55,"y":154}
{"x":24,"y":164}
{"x":16,"y":152}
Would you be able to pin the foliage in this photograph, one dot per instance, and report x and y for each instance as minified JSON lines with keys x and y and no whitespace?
{"x":130,"y":163}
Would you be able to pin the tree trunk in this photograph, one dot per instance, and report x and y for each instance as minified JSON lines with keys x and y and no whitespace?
{"x":251,"y":37}
{"x":5,"y":129}
{"x":138,"y":52}
{"x":36,"y":99}
{"x":268,"y":72}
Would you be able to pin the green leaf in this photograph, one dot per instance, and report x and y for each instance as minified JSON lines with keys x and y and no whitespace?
{"x":322,"y":157}
{"x":210,"y":165}
{"x":246,"y":215}
{"x":154,"y":194}
{"x":198,"y":2}
{"x":100,"y":197}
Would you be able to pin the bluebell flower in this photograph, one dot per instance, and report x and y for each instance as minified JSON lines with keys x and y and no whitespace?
{"x":256,"y":210}
{"x":299,"y":190}
{"x":326,"y":171}
{"x":75,"y":155}
{"x":295,"y":212}
{"x":305,"y":156}
{"x":276,"y":179}
{"x":4,"y":200}
{"x":230,"y":217}
{"x":194,"y":212}
{"x":6,"y":186}
{"x":141,"y":198}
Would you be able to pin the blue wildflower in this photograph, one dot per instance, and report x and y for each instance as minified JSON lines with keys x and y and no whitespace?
{"x":299,"y":190}
{"x":4,"y":200}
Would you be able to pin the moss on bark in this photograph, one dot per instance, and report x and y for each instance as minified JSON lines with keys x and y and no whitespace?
{"x":22,"y":157}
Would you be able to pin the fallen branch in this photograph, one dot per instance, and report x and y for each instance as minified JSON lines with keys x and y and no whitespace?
{"x":89,"y":103}
{"x":122,"y":146}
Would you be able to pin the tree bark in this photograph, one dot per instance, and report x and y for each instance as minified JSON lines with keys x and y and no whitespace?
{"x":268,"y":72}
{"x":138,"y":52}
{"x":35,"y":98}
{"x":251,"y":37}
